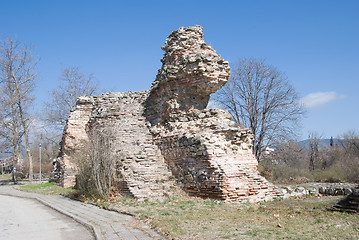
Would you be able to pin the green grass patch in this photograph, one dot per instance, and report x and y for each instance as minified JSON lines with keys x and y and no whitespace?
{"x":49,"y":188}
{"x":37,"y":186}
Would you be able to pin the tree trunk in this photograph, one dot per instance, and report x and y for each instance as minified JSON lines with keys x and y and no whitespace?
{"x":14,"y":137}
{"x":28,"y":151}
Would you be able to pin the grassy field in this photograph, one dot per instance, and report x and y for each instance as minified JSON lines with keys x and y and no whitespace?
{"x":287,"y":219}
{"x":194,"y":218}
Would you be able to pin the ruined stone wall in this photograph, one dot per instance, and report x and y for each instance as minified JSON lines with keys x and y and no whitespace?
{"x":205,"y":151}
{"x":141,"y":170}
{"x":211,"y":157}
{"x":167,"y":133}
{"x":73,"y":138}
{"x":140,"y":167}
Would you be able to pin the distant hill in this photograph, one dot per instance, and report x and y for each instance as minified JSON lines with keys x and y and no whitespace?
{"x":323,"y":143}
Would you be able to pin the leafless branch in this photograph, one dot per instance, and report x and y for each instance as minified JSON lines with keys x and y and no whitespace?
{"x":259,"y":97}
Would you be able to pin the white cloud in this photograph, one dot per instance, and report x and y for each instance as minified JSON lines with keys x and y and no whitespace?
{"x":320,"y":98}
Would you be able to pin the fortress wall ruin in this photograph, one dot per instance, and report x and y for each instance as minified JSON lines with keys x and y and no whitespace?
{"x":166,"y":136}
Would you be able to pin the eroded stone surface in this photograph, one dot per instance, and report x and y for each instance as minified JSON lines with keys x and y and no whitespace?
{"x":73,"y":139}
{"x":210,"y":156}
{"x":191,"y":71}
{"x":167,"y":133}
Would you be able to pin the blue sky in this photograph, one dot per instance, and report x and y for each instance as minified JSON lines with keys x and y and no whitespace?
{"x":316,"y":44}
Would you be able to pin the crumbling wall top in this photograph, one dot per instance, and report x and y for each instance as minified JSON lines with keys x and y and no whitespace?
{"x":191,"y":71}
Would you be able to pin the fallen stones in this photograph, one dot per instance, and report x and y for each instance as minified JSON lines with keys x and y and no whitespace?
{"x":332,"y":188}
{"x":350,"y":203}
{"x":310,"y":189}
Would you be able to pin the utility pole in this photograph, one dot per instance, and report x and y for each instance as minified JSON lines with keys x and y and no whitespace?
{"x":40,"y":163}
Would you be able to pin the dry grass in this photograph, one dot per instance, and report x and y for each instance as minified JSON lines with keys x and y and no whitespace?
{"x":194,"y":218}
{"x":205,"y":219}
{"x":5,"y":177}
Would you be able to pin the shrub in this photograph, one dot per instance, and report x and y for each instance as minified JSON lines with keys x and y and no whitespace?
{"x":96,"y":164}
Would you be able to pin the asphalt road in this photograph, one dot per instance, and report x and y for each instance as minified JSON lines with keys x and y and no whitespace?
{"x":30,"y":208}
{"x":22,"y":218}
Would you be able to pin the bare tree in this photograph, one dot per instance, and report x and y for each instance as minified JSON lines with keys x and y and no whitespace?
{"x":8,"y":140}
{"x":350,"y":157}
{"x":291,"y":154}
{"x":17,"y":66}
{"x":314,"y":159}
{"x":11,"y":131}
{"x":96,"y":163}
{"x":73,"y":84}
{"x":350,"y":142}
{"x":258,"y":96}
{"x":49,"y":138}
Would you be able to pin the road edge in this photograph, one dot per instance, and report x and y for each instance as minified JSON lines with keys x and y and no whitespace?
{"x":92,"y":229}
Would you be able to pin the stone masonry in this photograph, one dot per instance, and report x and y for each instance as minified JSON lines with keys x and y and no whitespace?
{"x":166,"y":133}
